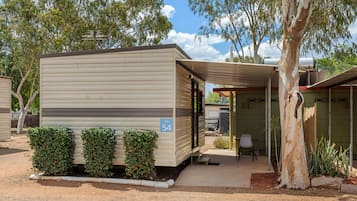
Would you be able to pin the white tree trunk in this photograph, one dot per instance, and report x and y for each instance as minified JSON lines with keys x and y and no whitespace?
{"x":294,"y":173}
{"x":21,"y":120}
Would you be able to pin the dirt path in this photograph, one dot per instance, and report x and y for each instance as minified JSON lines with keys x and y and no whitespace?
{"x":15,"y":186}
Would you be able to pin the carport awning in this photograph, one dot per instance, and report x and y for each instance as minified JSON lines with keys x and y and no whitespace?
{"x":229,"y":73}
{"x":343,"y":78}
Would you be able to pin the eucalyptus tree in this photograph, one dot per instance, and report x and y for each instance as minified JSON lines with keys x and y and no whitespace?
{"x":242,"y":22}
{"x":314,"y":25}
{"x":46,"y":26}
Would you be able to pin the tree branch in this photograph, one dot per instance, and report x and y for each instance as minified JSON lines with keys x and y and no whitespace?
{"x":32,"y":98}
{"x":301,"y":18}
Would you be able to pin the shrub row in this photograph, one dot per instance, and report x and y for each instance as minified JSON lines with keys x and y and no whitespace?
{"x":54,"y":150}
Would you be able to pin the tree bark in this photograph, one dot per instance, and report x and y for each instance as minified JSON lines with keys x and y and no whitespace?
{"x":21,"y":120}
{"x":294,"y":173}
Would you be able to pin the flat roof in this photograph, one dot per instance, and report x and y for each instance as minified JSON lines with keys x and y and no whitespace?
{"x":230,"y":73}
{"x":339,"y":79}
{"x":126,"y":49}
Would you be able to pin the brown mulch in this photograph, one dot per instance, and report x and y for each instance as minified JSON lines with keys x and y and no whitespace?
{"x":263,"y":180}
{"x":352,"y":180}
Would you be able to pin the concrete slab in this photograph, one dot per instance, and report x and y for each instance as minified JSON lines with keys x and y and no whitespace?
{"x":229,"y":173}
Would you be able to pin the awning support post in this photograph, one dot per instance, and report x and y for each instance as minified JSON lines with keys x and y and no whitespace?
{"x":329,"y":116}
{"x":231,"y":120}
{"x":269,"y":123}
{"x":351,"y":125}
{"x":266,"y":120}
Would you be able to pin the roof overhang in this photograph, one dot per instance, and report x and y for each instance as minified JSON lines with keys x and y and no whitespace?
{"x":347,"y":77}
{"x":229,"y":73}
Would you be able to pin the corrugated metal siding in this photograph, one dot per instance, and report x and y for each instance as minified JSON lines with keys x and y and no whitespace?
{"x":184,"y":123}
{"x":135,"y":79}
{"x":123,"y":80}
{"x":5,"y":103}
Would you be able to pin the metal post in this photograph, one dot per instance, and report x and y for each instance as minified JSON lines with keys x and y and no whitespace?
{"x":230,"y":120}
{"x":236,"y":122}
{"x":329,"y":116}
{"x":351,"y":125}
{"x":269,"y":123}
{"x":266,"y":119}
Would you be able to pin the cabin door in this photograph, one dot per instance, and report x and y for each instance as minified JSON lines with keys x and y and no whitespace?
{"x":195,"y":113}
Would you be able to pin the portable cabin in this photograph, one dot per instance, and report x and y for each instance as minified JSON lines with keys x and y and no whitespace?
{"x":5,"y":108}
{"x":140,"y":87}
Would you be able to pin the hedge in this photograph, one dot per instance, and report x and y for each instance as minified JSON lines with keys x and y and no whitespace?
{"x":98,"y":151}
{"x":53,"y":150}
{"x":139,"y":153}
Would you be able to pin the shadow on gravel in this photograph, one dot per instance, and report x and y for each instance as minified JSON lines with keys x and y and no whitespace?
{"x":5,"y":151}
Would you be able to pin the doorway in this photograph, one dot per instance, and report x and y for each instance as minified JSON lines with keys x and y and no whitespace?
{"x":196,"y":106}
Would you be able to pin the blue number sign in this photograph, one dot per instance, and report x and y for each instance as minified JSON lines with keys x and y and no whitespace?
{"x":166,"y":125}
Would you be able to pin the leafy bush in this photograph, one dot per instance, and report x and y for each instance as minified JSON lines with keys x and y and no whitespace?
{"x":327,"y":160}
{"x":98,"y":151}
{"x":139,"y":153}
{"x":221,"y":143}
{"x":53,"y":150}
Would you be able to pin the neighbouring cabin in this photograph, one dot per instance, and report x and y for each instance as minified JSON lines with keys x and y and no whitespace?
{"x":251,"y":115}
{"x":139,"y":87}
{"x":5,"y":108}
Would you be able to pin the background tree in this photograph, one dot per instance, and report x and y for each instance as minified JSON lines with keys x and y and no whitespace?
{"x":341,"y":59}
{"x":314,"y":25}
{"x":242,"y":22}
{"x":32,"y":28}
{"x":213,"y":98}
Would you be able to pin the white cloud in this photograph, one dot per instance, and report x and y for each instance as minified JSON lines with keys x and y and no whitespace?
{"x":168,"y":11}
{"x":198,"y":48}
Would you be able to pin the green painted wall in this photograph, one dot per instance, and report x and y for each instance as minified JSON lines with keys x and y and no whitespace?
{"x":251,"y":115}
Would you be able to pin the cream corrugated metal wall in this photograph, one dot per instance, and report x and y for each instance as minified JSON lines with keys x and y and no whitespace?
{"x":184,"y":122}
{"x":132,"y":79}
{"x":5,"y":108}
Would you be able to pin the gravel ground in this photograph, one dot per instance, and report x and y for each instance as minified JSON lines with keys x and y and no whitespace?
{"x":15,"y":186}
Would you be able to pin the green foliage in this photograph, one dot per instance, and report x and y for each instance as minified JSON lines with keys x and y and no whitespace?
{"x":98,"y":151}
{"x":53,"y":150}
{"x":221,"y":143}
{"x":139,"y":153}
{"x":327,"y":160}
{"x":342,"y":58}
{"x":213,"y":98}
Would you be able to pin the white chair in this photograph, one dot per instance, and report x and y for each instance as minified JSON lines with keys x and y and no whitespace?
{"x":246,"y":143}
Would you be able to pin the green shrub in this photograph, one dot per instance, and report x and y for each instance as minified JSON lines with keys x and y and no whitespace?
{"x":98,"y":151}
{"x":221,"y":143}
{"x":327,"y":160}
{"x":53,"y":150}
{"x":139,"y":153}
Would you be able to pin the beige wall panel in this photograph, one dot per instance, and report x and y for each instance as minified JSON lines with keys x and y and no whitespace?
{"x":183,"y":138}
{"x":164,"y":154}
{"x":134,"y":79}
{"x":5,"y":105}
{"x":184,"y":123}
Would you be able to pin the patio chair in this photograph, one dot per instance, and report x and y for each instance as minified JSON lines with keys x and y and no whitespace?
{"x":246,"y":144}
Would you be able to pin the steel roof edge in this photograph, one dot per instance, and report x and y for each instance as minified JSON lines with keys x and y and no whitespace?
{"x":232,"y":63}
{"x":126,"y":49}
{"x":354,"y":68}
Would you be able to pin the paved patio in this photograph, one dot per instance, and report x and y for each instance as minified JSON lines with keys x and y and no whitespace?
{"x":229,"y":173}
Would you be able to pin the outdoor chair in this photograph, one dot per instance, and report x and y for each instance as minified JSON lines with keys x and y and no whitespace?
{"x":246,"y":144}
